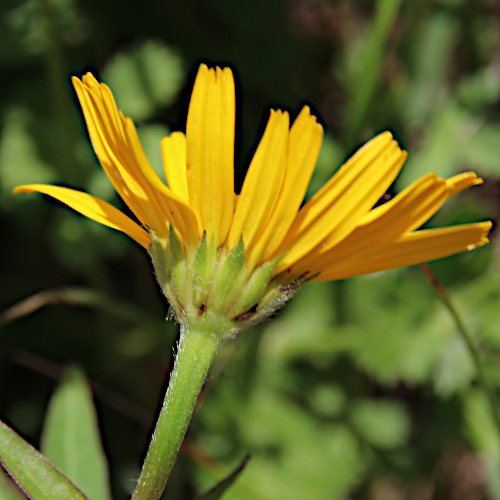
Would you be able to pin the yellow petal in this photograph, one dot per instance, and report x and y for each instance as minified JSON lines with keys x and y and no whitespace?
{"x":121,"y":155}
{"x":336,"y":209}
{"x":172,"y":207}
{"x":210,"y":150}
{"x":404,"y":213}
{"x":304,"y":144}
{"x":93,"y":208}
{"x":262,"y":184}
{"x":412,"y":248}
{"x":462,"y":181}
{"x":105,"y":130}
{"x":173,"y":150}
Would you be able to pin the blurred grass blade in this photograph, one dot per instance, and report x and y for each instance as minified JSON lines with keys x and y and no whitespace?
{"x":75,"y":296}
{"x":365,"y":77}
{"x":71,"y":438}
{"x":39,"y":479}
{"x":219,"y":489}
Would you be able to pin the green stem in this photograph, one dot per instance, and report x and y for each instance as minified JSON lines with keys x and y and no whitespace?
{"x":196,"y":352}
{"x":469,"y":342}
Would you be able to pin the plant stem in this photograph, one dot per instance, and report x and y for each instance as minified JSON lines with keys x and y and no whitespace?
{"x":469,"y":342}
{"x":195,"y":354}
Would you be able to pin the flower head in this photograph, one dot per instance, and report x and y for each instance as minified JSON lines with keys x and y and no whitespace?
{"x":235,"y":258}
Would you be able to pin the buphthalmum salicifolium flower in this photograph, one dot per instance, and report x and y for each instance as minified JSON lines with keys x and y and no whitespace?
{"x":229,"y":259}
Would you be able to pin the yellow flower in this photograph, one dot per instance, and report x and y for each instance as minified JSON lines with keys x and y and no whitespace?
{"x":336,"y":234}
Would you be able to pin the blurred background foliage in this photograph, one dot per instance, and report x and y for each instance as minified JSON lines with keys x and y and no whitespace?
{"x":358,"y":390}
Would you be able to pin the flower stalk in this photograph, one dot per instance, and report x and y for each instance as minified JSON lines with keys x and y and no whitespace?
{"x":195,"y":354}
{"x":469,"y":342}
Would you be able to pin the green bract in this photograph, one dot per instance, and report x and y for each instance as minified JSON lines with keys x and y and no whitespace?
{"x":213,"y":288}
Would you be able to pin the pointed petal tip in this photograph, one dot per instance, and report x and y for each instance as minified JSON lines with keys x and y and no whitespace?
{"x":487,"y":225}
{"x":27,"y":188}
{"x":481,"y":243}
{"x":383,"y":138}
{"x":88,"y":79}
{"x":228,"y":73}
{"x":463,"y":181}
{"x":483,"y":239}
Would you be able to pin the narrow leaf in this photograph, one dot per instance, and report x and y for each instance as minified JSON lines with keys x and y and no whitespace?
{"x":38,"y":478}
{"x":219,"y":489}
{"x":8,"y":490}
{"x":71,"y":439}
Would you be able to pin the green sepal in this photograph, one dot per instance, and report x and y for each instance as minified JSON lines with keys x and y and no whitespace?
{"x":202,"y":268}
{"x":273,"y":297}
{"x":277,"y":295}
{"x":159,"y":258}
{"x":200,"y":272}
{"x":179,"y":276}
{"x":255,"y":288}
{"x":228,"y":277}
{"x":176,"y":249}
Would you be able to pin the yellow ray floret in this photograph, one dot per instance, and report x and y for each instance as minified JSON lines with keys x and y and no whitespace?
{"x":336,"y":234}
{"x":411,"y":248}
{"x":304,"y":144}
{"x":120,"y":153}
{"x":387,"y":223}
{"x":173,"y":150}
{"x":93,"y":208}
{"x":337,"y":208}
{"x":210,"y":150}
{"x":262,"y":182}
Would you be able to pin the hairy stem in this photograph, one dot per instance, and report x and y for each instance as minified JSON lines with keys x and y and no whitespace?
{"x":195,"y":355}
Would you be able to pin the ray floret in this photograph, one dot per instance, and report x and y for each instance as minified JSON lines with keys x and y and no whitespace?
{"x":252,"y":249}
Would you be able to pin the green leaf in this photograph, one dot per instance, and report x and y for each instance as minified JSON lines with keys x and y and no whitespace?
{"x":71,"y":439}
{"x":219,"y":489}
{"x":483,"y":149}
{"x":455,"y":369}
{"x":436,"y":41}
{"x":383,"y":424}
{"x":148,"y":76}
{"x":8,"y":490}
{"x":39,"y":479}
{"x":19,"y":159}
{"x":447,"y":131}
